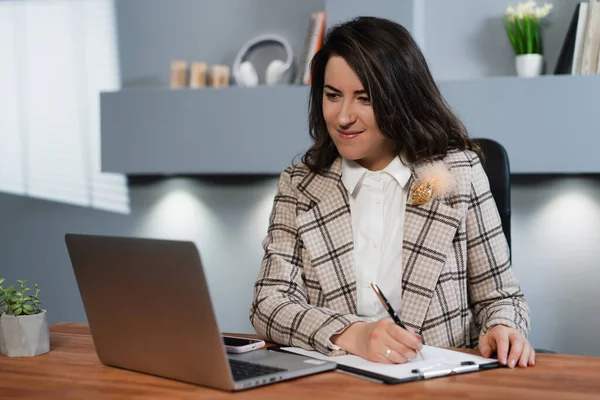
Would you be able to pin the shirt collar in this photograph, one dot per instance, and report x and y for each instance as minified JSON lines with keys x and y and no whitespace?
{"x":399,"y":171}
{"x":352,"y":173}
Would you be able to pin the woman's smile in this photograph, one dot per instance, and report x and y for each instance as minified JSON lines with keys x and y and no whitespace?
{"x":349,"y":134}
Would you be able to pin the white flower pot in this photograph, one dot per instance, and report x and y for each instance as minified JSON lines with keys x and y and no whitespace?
{"x":25,"y":335}
{"x":529,"y":65}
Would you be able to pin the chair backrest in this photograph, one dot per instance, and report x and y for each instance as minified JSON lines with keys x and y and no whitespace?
{"x":497,"y":168}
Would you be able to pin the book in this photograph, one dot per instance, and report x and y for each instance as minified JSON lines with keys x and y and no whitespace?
{"x":579,"y":38}
{"x":569,"y":60}
{"x":591,"y":46}
{"x":313,"y":42}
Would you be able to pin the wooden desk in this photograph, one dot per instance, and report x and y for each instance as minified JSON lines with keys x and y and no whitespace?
{"x":72,"y":371}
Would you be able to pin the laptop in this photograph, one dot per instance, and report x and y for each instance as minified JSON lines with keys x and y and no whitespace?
{"x":149,"y":310}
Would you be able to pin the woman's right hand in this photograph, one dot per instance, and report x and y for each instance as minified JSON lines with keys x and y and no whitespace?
{"x":372,"y":341}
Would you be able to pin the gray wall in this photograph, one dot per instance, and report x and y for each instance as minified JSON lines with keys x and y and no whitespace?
{"x":401,"y":11}
{"x":555,"y":255}
{"x":226,"y":218}
{"x":154,"y":32}
{"x":555,"y":221}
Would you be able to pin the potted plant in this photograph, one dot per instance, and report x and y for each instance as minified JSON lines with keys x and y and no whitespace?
{"x":522,"y":25}
{"x":23,"y":324}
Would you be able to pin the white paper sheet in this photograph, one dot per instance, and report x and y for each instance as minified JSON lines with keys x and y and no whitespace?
{"x":433,"y":357}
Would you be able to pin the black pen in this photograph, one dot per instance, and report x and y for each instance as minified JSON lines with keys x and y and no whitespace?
{"x":390,"y":310}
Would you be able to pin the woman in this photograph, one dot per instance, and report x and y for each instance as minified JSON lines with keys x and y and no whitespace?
{"x":392,"y":191}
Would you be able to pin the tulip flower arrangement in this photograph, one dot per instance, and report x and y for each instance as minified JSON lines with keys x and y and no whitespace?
{"x":522,"y":25}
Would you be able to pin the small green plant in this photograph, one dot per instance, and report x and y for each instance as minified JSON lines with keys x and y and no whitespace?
{"x":522,"y":25}
{"x":18,"y":302}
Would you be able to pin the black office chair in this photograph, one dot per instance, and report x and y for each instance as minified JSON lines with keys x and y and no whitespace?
{"x":497,"y":169}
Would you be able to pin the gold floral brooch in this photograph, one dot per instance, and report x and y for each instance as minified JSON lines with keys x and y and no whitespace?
{"x":432,"y":181}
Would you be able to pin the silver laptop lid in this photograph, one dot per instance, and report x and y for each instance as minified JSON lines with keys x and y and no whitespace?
{"x":149,"y":308}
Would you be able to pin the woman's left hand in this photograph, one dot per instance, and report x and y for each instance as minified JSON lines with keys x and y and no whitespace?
{"x":511,"y":347}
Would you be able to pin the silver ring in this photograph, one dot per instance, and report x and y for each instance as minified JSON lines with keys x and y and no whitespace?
{"x":387,"y":353}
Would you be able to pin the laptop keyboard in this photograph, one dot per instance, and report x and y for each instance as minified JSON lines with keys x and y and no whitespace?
{"x":244,"y":370}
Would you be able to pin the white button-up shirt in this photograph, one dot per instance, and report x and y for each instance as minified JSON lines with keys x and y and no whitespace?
{"x":377,"y":205}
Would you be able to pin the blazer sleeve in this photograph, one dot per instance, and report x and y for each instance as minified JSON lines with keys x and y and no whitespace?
{"x":495,"y":293}
{"x":281,"y":311}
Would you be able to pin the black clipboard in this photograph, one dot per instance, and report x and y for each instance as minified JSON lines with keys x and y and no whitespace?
{"x":463,"y":368}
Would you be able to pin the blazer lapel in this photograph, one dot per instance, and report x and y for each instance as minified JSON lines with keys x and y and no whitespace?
{"x":326,"y":231}
{"x":429,"y":230}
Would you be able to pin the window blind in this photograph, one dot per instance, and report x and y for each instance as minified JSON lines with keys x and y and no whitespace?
{"x":56,"y":58}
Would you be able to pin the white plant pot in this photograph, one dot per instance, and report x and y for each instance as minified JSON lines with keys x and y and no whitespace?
{"x":529,"y":65}
{"x":25,"y":335}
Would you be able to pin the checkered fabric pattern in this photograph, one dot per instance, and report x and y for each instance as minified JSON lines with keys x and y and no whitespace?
{"x":457,"y":279}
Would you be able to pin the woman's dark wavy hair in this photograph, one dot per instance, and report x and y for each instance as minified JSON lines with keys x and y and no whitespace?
{"x":407,"y":103}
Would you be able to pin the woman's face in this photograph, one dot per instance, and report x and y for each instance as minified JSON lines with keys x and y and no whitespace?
{"x":350,"y":118}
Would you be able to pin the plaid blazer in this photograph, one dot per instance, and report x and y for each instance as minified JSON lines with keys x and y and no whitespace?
{"x":457,"y":279}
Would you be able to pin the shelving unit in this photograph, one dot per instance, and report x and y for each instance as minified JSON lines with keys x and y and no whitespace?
{"x":205,"y":131}
{"x":547,"y":124}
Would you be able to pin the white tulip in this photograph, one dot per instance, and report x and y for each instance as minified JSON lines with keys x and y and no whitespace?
{"x":528,"y":9}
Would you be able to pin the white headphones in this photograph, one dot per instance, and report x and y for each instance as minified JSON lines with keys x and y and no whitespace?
{"x":245,"y":74}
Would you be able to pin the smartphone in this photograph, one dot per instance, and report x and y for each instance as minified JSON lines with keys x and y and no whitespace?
{"x":235,"y":344}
